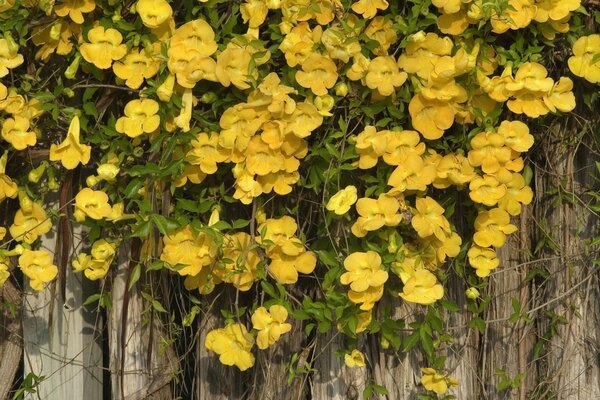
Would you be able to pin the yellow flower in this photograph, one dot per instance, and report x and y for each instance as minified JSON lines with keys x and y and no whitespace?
{"x":354,"y":359}
{"x":165,"y":90}
{"x":270,"y":325}
{"x":107,"y":172}
{"x":530,"y":86}
{"x":233,"y":344}
{"x":370,"y":145}
{"x":206,"y":152}
{"x":184,"y":118}
{"x":585,"y":62}
{"x":453,"y":170}
{"x":340,"y":44}
{"x":382,"y":30}
{"x":74,"y":9}
{"x":366,"y":298}
{"x":71,"y":152}
{"x":402,"y":144}
{"x":318,"y":74}
{"x":384,"y":76}
{"x":483,"y":259}
{"x":412,"y":174}
{"x":363,"y":271}
{"x":486,"y":190}
{"x":430,"y":117}
{"x":517,"y":193}
{"x":239,"y":264}
{"x":341,"y":202}
{"x":29,"y":224}
{"x":140,"y":117}
{"x":422,"y":288}
{"x":491,"y":228}
{"x":429,"y":219}
{"x":422,"y":53}
{"x":472,"y":293}
{"x":368,"y":8}
{"x":516,"y":135}
{"x":91,"y":203}
{"x":304,"y":120}
{"x":517,"y":15}
{"x":137,"y":66}
{"x":9,"y":58}
{"x":37,"y":266}
{"x":8,"y":188}
{"x":489,"y":152}
{"x":205,"y":281}
{"x":96,"y":265}
{"x":436,"y":382}
{"x":555,"y":9}
{"x":153,"y":12}
{"x":4,"y":274}
{"x":60,"y":43}
{"x":13,"y":102}
{"x":193,"y":251}
{"x":254,"y":12}
{"x":285,"y":268}
{"x":16,"y":132}
{"x":103,"y":46}
{"x":298,"y":43}
{"x":561,"y":96}
{"x":238,"y":125}
{"x":375,"y":213}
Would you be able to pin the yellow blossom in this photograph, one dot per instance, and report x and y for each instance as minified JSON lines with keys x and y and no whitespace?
{"x":270,"y":325}
{"x":363,"y":271}
{"x":74,"y":9}
{"x":340,"y":45}
{"x":318,"y":74}
{"x":491,"y":228}
{"x":453,"y":170}
{"x":554,"y":9}
{"x":382,"y":30}
{"x":585,"y":61}
{"x":8,"y":188}
{"x":192,"y":251}
{"x":412,"y":174}
{"x":285,"y":268}
{"x":422,"y":52}
{"x":140,"y":117}
{"x":429,"y":219}
{"x":62,"y":43}
{"x":233,"y":344}
{"x":384,"y":76}
{"x":422,"y":288}
{"x":370,"y":145}
{"x":239,"y":264}
{"x":71,"y":152}
{"x":402,"y":144}
{"x":561,"y":96}
{"x":375,"y":213}
{"x":206,"y":152}
{"x":4,"y":274}
{"x":29,"y":224}
{"x":436,"y":382}
{"x":516,"y":135}
{"x":517,"y":193}
{"x":16,"y":132}
{"x":103,"y":46}
{"x":366,"y":298}
{"x":137,"y":66}
{"x":153,"y":12}
{"x":430,"y":117}
{"x":517,"y":15}
{"x":486,"y":190}
{"x":341,"y":202}
{"x":37,"y":266}
{"x":9,"y":58}
{"x":483,"y":259}
{"x":368,"y":8}
{"x":297,"y":44}
{"x":354,"y":359}
{"x":91,"y":203}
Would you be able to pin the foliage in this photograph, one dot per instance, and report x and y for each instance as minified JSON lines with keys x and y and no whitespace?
{"x":277,"y":145}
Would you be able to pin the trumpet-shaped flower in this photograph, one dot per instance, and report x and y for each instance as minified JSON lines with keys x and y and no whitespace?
{"x":384,"y":76}
{"x":355,"y":359}
{"x":280,"y":234}
{"x":270,"y":325}
{"x":153,"y":12}
{"x":192,"y":251}
{"x":585,"y":62}
{"x":137,"y":66}
{"x":486,"y":190}
{"x":318,"y":74}
{"x":483,"y":259}
{"x":412,"y":174}
{"x":140,"y":117}
{"x":518,"y":15}
{"x":9,"y":58}
{"x":428,"y":219}
{"x":206,"y":152}
{"x":50,"y":42}
{"x":453,"y":169}
{"x":74,"y":9}
{"x":422,"y":53}
{"x":29,"y":224}
{"x":375,"y":213}
{"x":422,"y":288}
{"x":340,"y":44}
{"x":516,"y":135}
{"x":517,"y":193}
{"x":285,"y":268}
{"x":430,"y":117}
{"x":239,"y":264}
{"x":555,"y":9}
{"x":71,"y":152}
{"x":91,"y":203}
{"x":382,"y":30}
{"x":341,"y":202}
{"x":16,"y":132}
{"x":37,"y":266}
{"x":233,"y":344}
{"x":436,"y":382}
{"x":401,"y":145}
{"x":370,"y":145}
{"x":491,"y":228}
{"x":103,"y":46}
{"x":489,"y":152}
{"x":368,"y":8}
{"x":238,"y":125}
{"x":561,"y":96}
{"x":366,"y":298}
{"x":363,"y":271}
{"x":4,"y":274}
{"x":8,"y":188}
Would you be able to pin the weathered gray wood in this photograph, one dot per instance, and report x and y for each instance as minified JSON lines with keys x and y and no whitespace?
{"x":65,"y":348}
{"x":141,"y":368}
{"x":11,"y":344}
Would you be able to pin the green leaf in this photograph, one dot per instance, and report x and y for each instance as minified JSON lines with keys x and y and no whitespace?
{"x":135,"y":275}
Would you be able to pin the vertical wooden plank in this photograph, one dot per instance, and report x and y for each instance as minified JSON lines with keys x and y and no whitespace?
{"x":570,"y":365}
{"x":65,"y":348}
{"x":11,"y":344}
{"x":332,"y":378}
{"x":140,"y":367}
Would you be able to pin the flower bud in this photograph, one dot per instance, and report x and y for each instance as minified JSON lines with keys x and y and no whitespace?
{"x":36,"y":174}
{"x":25,"y":202}
{"x":341,"y":89}
{"x":208,"y":97}
{"x":165,"y":90}
{"x":13,"y":47}
{"x":384,"y":343}
{"x":72,"y":69}
{"x":273,"y":4}
{"x":214,"y":217}
{"x":55,"y":31}
{"x":472,"y":293}
{"x":91,"y":180}
{"x":107,"y":172}
{"x":69,"y":92}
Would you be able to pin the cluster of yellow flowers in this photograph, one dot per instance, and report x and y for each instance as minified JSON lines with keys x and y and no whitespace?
{"x":95,"y":265}
{"x":234,"y":343}
{"x":586,"y":58}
